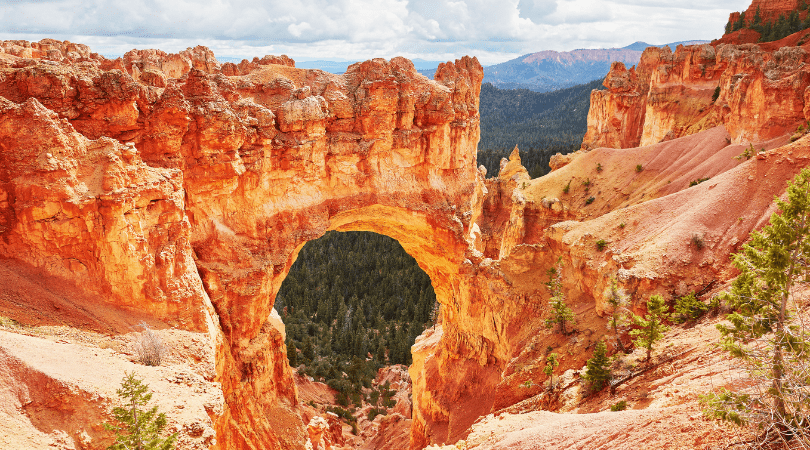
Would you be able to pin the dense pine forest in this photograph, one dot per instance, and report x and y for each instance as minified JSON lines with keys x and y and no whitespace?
{"x":541,"y":124}
{"x":352,"y":303}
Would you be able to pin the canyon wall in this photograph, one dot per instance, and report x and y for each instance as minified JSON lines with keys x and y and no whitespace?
{"x":769,"y":10}
{"x":181,"y":190}
{"x":175,"y":190}
{"x":757,"y":93}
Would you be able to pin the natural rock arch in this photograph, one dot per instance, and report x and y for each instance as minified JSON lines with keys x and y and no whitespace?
{"x":188,"y":199}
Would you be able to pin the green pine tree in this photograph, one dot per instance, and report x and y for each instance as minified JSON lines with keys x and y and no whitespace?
{"x":308,"y":352}
{"x":740,"y":23}
{"x":561,"y":314}
{"x":651,"y":327}
{"x":552,"y":362}
{"x":617,"y":300}
{"x":292,"y":355}
{"x":598,"y":368}
{"x":763,"y":330}
{"x":138,"y":429}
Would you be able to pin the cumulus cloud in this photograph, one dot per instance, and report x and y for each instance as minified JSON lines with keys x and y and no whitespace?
{"x":536,"y":10}
{"x":359,"y":29}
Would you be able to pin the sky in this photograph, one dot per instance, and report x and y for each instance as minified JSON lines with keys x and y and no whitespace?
{"x":436,"y":30}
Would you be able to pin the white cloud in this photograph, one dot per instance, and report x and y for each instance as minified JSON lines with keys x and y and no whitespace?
{"x":494,"y":30}
{"x":536,"y":10}
{"x":296,"y":29}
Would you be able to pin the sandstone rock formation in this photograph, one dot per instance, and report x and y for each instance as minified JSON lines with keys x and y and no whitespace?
{"x":760,"y":95}
{"x":769,"y":10}
{"x":178,"y":191}
{"x":188,"y":203}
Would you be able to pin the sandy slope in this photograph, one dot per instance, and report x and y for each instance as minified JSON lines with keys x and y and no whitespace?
{"x":52,"y":386}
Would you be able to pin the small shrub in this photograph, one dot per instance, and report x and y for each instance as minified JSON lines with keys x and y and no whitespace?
{"x":567,"y":187}
{"x":747,"y":153}
{"x":725,"y":405}
{"x":343,"y":414}
{"x":698,"y":242}
{"x":601,"y":244}
{"x":622,"y":225}
{"x":639,"y":168}
{"x":149,"y":347}
{"x":620,"y":406}
{"x":587,"y":183}
{"x":689,"y":308}
{"x":714,"y":305}
{"x":599,"y":168}
{"x":590,"y":200}
{"x":698,"y":181}
{"x":374,"y":412}
{"x":716,"y":94}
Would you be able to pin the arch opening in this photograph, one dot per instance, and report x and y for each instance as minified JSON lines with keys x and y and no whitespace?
{"x":353,"y":302}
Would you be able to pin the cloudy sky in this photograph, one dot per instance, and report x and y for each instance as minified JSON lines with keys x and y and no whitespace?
{"x":493,"y":30}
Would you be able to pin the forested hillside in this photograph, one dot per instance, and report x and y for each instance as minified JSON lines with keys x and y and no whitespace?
{"x":774,"y":30}
{"x":541,"y":124}
{"x":352,"y":303}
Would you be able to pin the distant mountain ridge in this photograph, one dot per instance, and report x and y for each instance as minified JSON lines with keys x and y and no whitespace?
{"x":550,"y":70}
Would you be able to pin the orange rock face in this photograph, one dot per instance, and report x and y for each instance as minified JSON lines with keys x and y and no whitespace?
{"x":769,"y":10}
{"x":176,"y":190}
{"x":760,"y":95}
{"x":181,"y":190}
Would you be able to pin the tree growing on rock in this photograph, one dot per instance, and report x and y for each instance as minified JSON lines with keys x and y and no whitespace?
{"x":598,"y":371}
{"x":651,"y":327}
{"x":552,"y":362}
{"x":617,"y":300}
{"x":561,"y":314}
{"x":765,"y":331}
{"x":138,"y":429}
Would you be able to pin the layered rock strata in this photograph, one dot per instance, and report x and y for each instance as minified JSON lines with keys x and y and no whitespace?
{"x":180,"y":192}
{"x":757,"y":93}
{"x":187,"y":201}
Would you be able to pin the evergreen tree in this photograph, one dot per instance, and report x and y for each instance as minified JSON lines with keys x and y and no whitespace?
{"x":794,"y":23}
{"x":138,"y":429}
{"x":292,"y":355}
{"x":780,"y":29}
{"x":552,"y":362}
{"x":598,"y":372}
{"x":740,"y":23}
{"x":308,"y":351}
{"x":763,"y":331}
{"x":561,"y":314}
{"x":617,"y":300}
{"x":651,"y":326}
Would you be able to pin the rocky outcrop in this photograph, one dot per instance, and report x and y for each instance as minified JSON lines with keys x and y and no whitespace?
{"x":769,"y":10}
{"x":179,"y":192}
{"x":48,"y":49}
{"x":188,"y":202}
{"x":757,"y":94}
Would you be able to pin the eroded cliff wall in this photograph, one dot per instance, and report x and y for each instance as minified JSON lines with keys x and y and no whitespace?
{"x":182,"y":189}
{"x":758,"y":93}
{"x":177,"y":190}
